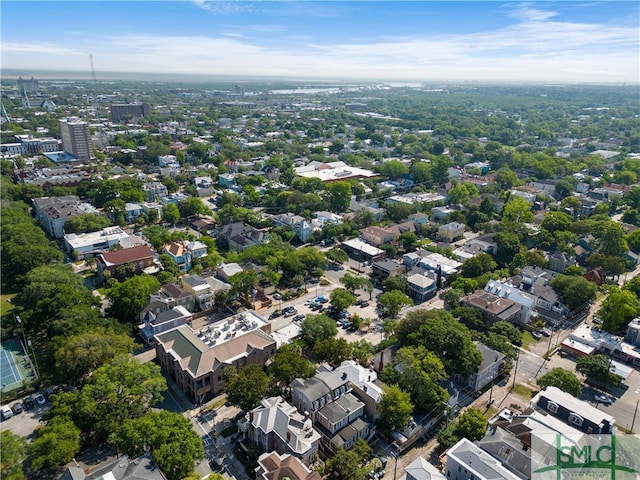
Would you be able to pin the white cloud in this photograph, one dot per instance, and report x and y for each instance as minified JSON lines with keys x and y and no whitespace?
{"x":38,"y":48}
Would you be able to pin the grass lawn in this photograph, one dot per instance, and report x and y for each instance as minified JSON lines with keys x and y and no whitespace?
{"x":527,"y":339}
{"x":523,"y":391}
{"x":5,"y":303}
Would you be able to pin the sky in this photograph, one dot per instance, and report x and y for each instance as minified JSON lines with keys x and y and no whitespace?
{"x":560,"y":42}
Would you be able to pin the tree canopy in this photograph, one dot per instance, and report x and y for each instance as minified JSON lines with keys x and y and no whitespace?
{"x":316,"y":328}
{"x":168,"y":436}
{"x":128,"y":298}
{"x":561,"y":378}
{"x":395,"y":407}
{"x":247,"y":387}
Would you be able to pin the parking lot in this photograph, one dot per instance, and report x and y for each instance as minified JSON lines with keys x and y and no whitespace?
{"x":25,"y":423}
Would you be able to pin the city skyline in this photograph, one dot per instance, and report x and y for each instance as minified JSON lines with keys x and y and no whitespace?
{"x":566,"y":41}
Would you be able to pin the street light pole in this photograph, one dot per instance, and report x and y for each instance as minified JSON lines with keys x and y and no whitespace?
{"x":491,"y":390}
{"x":633,"y":421}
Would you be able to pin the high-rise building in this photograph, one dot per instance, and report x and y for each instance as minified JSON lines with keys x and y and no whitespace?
{"x":27,"y":85}
{"x":129,"y":111}
{"x":75,"y":138}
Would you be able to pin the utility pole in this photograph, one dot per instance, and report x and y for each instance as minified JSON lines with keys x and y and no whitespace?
{"x":633,"y":421}
{"x":515,"y":370}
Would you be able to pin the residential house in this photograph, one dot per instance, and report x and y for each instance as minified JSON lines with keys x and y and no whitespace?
{"x":227,"y":270}
{"x":227,"y":180}
{"x":175,"y":294}
{"x":377,"y":236}
{"x":204,"y":186}
{"x":298,"y":224}
{"x":200,"y":288}
{"x":451,"y":231}
{"x":310,"y":395}
{"x":84,"y":245}
{"x":156,"y":323}
{"x":53,"y":212}
{"x":419,"y":218}
{"x":272,"y":466}
{"x":633,"y":332}
{"x":239,"y":236}
{"x":327,"y":218}
{"x":198,"y":367}
{"x":559,"y":261}
{"x":383,"y":269}
{"x":421,"y":469}
{"x":436,"y":262}
{"x":508,"y":291}
{"x":576,"y":413}
{"x":277,"y":426}
{"x":179,"y":254}
{"x":598,"y":275}
{"x":466,"y":461}
{"x":197,"y":249}
{"x":411,"y":259}
{"x":487,"y":371}
{"x":441,"y":214}
{"x":341,"y":423}
{"x":140,"y":256}
{"x":154,"y":191}
{"x":362,"y":251}
{"x":492,"y":307}
{"x":118,"y":468}
{"x":174,"y":198}
{"x":421,"y":287}
{"x":132,"y":212}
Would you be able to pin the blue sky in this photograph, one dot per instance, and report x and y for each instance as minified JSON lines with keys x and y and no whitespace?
{"x":564,"y":41}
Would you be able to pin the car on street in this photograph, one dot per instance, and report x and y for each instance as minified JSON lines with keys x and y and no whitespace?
{"x":39,"y":399}
{"x":277,"y":296}
{"x":603,"y":399}
{"x":275,"y":314}
{"x":298,"y":318}
{"x":290,"y":311}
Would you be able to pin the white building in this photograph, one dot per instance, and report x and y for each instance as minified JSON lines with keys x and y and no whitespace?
{"x":466,"y":461}
{"x":504,"y":290}
{"x":84,"y":245}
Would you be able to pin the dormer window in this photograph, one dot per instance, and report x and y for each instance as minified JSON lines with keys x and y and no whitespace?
{"x":576,"y":419}
{"x":552,"y":407}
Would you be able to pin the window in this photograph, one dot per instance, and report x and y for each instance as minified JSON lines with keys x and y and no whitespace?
{"x":576,"y":419}
{"x":552,"y":407}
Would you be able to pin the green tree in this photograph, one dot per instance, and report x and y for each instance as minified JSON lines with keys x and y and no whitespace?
{"x":342,"y":299}
{"x":597,"y":368}
{"x":55,"y":444}
{"x":509,"y":330}
{"x":393,"y":301}
{"x":618,"y":309}
{"x":395,"y":408}
{"x":352,"y":282}
{"x":393,"y":169}
{"x":396,"y":282}
{"x":78,"y":355}
{"x":467,"y":285}
{"x":462,"y":192}
{"x":517,"y":209}
{"x":478,"y":265}
{"x":128,"y":298}
{"x":192,"y":206}
{"x":317,"y":327}
{"x":247,"y":387}
{"x":338,"y":196}
{"x":575,"y":291}
{"x":119,"y":390}
{"x":471,"y":425}
{"x":156,"y":235}
{"x":332,"y":350}
{"x":13,"y":454}
{"x":243,"y":283}
{"x":362,"y":351}
{"x":171,"y":214}
{"x":168,"y":436}
{"x":288,"y":364}
{"x":556,"y":221}
{"x":419,"y":372}
{"x":86,"y":222}
{"x":337,"y":255}
{"x":439,"y":332}
{"x":561,"y":378}
{"x":509,"y":246}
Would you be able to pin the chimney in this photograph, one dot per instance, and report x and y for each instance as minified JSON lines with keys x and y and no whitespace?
{"x":288,"y":436}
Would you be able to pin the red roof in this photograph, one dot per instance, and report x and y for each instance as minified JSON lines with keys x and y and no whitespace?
{"x":126,"y":255}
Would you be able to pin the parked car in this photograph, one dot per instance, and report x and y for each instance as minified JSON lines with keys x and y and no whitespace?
{"x":277,"y":296}
{"x":298,"y":318}
{"x":536,"y":335}
{"x":275,"y":314}
{"x":291,"y":312}
{"x":6,"y":412}
{"x":39,"y":398}
{"x":321,"y":299}
{"x":17,"y":408}
{"x":29,"y":403}
{"x":603,"y":399}
{"x":364,"y":304}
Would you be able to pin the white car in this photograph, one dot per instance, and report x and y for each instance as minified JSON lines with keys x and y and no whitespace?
{"x":603,"y":399}
{"x":39,"y":398}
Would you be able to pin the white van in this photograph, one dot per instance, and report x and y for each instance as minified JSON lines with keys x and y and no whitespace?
{"x":6,"y":412}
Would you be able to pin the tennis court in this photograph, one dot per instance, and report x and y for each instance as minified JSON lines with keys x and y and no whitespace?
{"x":12,"y":374}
